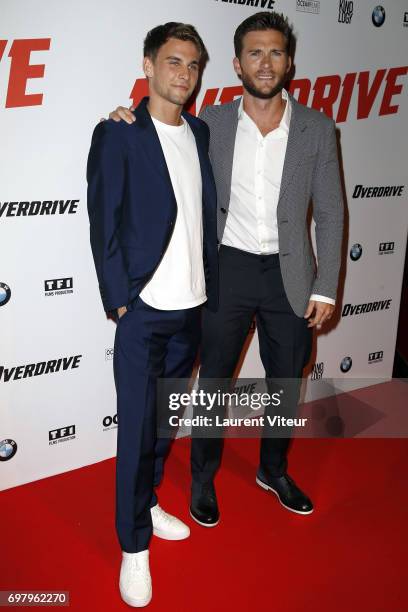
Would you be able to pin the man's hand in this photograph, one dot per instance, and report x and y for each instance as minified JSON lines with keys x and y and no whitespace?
{"x":322,"y":313}
{"x":121,"y":311}
{"x":123,"y":113}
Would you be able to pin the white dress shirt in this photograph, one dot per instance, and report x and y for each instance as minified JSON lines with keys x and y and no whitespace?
{"x":255,"y":186}
{"x":179,"y":281}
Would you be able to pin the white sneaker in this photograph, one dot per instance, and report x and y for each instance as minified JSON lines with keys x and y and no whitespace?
{"x":167,"y":526}
{"x":135,"y":583}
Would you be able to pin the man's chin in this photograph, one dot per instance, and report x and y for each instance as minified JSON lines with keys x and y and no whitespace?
{"x":264,"y":93}
{"x":180,"y":100}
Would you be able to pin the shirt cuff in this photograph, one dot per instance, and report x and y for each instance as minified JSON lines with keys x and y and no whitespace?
{"x":322,"y":298}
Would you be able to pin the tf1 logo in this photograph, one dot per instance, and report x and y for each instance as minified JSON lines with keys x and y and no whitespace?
{"x":22,"y":70}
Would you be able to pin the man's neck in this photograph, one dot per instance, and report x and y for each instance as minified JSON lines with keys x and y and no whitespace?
{"x":164,"y":111}
{"x":266,"y":114}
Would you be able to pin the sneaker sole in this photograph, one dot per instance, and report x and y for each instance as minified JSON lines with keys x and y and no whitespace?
{"x":268,"y":488}
{"x":161,"y":534}
{"x":203,"y":524}
{"x":136,"y":603}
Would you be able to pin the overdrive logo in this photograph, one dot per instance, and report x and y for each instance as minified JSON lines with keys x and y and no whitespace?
{"x":355,"y":309}
{"x":5,"y":294}
{"x":263,"y":4}
{"x":37,"y":369}
{"x":23,"y":68}
{"x":58,"y":286}
{"x":8,"y":449}
{"x":330,"y":93}
{"x":388,"y":191}
{"x":346,"y":363}
{"x":63,"y":434}
{"x":38,"y":207}
{"x":355,"y":252}
{"x":378,"y":16}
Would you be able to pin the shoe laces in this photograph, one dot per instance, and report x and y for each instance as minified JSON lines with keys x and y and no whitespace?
{"x":162,"y":514}
{"x":137,"y":566}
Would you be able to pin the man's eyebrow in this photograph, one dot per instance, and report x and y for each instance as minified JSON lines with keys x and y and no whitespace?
{"x":175,"y":57}
{"x":259,"y":49}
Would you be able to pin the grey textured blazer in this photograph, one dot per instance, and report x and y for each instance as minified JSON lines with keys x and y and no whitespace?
{"x":310,"y":170}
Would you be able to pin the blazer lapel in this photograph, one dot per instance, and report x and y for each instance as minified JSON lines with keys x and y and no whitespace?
{"x":152,"y":147}
{"x":225,"y":160}
{"x":150,"y":141}
{"x":295,"y":147}
{"x":205,"y":167}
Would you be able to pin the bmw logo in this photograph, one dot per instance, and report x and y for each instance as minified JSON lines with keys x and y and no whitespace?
{"x":346,"y":364}
{"x":8,"y":449}
{"x":355,"y":252}
{"x":378,"y":16}
{"x":5,"y":294}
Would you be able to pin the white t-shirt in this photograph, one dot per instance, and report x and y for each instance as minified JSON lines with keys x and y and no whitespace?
{"x":179,"y":280}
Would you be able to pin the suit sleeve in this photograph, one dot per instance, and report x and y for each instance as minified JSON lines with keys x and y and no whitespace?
{"x":328,"y":214}
{"x":106,"y":173}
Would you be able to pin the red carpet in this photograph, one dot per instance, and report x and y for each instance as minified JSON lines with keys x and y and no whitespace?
{"x":58,"y":534}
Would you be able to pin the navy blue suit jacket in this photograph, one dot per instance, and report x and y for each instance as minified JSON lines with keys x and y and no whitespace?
{"x":132,"y":207}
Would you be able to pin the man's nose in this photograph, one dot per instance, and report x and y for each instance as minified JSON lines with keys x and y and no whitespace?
{"x":184,"y":73}
{"x":266,"y":60}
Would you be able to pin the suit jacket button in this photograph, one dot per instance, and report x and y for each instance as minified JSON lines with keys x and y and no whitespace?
{"x":223,"y":211}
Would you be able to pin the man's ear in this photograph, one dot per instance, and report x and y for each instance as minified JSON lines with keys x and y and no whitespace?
{"x":148,"y":67}
{"x":237,"y":66}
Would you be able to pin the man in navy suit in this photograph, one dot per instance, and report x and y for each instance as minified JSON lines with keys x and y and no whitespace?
{"x":152,"y":211}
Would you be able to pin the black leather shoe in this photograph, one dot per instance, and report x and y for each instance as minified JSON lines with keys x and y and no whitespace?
{"x":289,"y":495}
{"x":204,"y":507}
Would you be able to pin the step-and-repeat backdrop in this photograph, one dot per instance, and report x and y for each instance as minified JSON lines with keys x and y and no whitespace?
{"x":64,"y":65}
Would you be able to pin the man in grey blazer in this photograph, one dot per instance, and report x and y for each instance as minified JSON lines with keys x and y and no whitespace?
{"x":270,"y":157}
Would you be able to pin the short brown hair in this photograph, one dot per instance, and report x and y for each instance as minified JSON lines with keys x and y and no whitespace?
{"x":263,"y":21}
{"x":157,"y":37}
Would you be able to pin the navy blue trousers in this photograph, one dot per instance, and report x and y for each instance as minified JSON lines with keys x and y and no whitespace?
{"x":149,"y":344}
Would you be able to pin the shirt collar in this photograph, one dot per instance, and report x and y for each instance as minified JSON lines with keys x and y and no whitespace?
{"x":285,"y":121}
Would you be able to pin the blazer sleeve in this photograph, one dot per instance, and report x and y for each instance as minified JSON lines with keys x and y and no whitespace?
{"x":327,"y":213}
{"x":106,"y":174}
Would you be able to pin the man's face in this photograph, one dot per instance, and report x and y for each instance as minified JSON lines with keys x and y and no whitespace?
{"x":264,"y":63}
{"x":173,"y":74}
